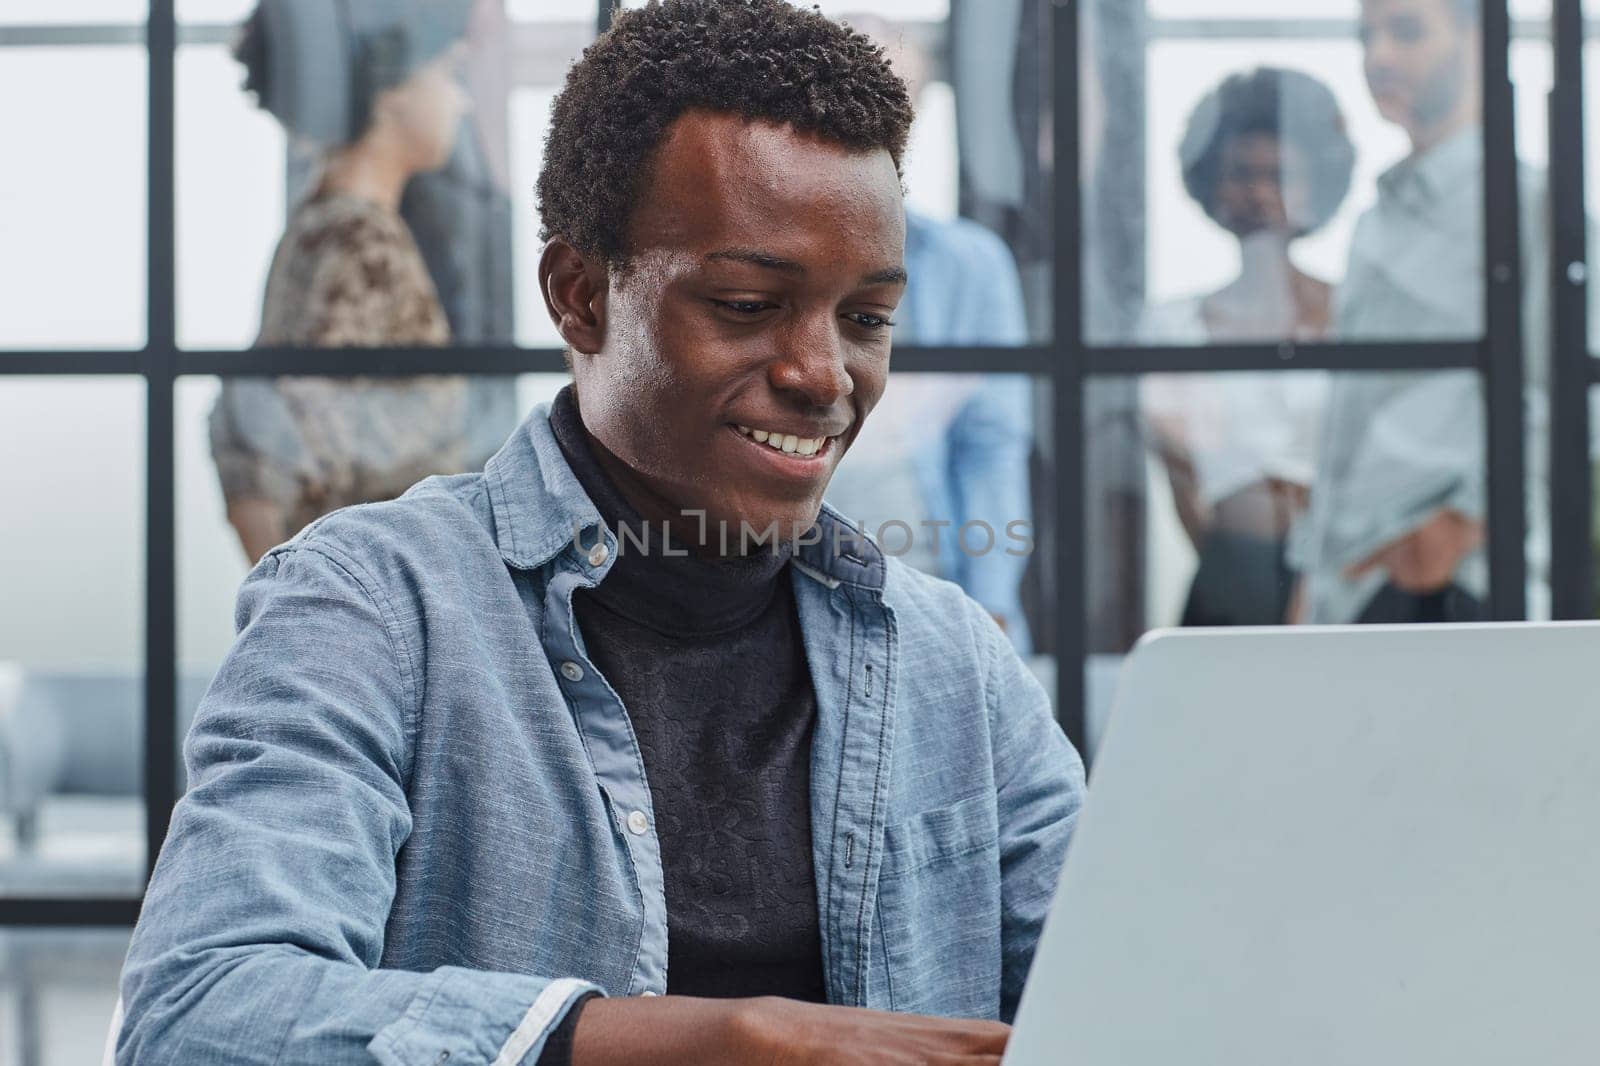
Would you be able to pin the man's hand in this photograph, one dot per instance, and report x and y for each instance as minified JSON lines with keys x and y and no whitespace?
{"x":1425,"y":559}
{"x":770,"y":1031}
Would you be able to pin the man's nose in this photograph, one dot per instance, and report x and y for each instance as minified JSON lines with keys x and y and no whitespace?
{"x":1379,"y":53}
{"x":810,"y":364}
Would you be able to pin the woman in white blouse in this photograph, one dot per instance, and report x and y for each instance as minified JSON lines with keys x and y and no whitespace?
{"x":1266,"y":156}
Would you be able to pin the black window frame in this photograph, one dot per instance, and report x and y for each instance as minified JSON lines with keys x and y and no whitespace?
{"x":1066,"y":362}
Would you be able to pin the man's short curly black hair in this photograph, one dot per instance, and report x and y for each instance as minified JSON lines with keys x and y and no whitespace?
{"x":762,"y":59}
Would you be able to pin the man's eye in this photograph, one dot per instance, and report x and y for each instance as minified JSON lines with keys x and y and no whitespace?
{"x":743,"y":307}
{"x":1408,"y":30}
{"x":867,"y":321}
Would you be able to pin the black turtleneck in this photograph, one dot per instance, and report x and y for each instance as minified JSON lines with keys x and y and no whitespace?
{"x":706,"y":656}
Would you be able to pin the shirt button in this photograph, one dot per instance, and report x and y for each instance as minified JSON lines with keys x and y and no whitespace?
{"x":638,"y":824}
{"x":571,"y":671}
{"x":647,"y":992}
{"x":599,"y":554}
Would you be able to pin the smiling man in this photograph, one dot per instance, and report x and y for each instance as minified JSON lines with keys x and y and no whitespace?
{"x":573,"y":760}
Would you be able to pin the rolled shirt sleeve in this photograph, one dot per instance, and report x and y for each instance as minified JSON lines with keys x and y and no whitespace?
{"x":257,"y":444}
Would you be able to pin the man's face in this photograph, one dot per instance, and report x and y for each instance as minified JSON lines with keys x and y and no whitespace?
{"x":1419,"y":58}
{"x":766,"y":267}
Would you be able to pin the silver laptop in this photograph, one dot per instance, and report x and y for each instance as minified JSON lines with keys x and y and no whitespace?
{"x":1334,"y":846}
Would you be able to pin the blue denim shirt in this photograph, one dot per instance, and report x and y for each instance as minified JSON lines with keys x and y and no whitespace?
{"x":418,"y":824}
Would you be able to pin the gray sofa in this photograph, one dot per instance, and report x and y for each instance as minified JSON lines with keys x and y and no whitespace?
{"x":72,"y":761}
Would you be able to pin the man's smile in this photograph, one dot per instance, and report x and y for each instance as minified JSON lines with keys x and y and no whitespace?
{"x":802,"y":443}
{"x":788,"y":454}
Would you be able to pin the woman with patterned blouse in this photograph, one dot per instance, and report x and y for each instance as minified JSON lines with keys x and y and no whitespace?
{"x":376,"y":82}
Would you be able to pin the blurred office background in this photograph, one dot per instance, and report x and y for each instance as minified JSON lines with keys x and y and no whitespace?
{"x":1149,"y":317}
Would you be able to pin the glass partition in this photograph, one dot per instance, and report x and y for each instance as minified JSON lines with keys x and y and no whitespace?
{"x":71,"y":637}
{"x":72,"y":211}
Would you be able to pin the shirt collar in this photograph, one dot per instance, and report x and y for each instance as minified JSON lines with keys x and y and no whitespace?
{"x":541,"y":509}
{"x":1446,"y":166}
{"x":653,"y":586}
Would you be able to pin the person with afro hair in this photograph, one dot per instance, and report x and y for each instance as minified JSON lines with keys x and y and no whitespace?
{"x":629,"y":749}
{"x":1267,"y":157}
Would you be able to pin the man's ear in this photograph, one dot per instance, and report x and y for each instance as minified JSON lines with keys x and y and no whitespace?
{"x":574,"y":288}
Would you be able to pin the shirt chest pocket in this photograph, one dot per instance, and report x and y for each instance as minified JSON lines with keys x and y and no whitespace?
{"x":938,"y":921}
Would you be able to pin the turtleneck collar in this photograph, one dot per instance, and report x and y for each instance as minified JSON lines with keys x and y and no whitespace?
{"x":674,"y":594}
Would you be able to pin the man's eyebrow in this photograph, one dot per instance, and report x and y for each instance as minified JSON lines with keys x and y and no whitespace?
{"x":887,"y":276}
{"x":760,"y":259}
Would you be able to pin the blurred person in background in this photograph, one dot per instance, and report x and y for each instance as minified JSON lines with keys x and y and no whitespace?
{"x":1267,"y":157}
{"x":377,"y":85}
{"x":949,"y":449}
{"x":1397,"y":520}
{"x":462,"y":218}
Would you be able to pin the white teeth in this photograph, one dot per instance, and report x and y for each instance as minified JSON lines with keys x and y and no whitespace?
{"x":787,"y":443}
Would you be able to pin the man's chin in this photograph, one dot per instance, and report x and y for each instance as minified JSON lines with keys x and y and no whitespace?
{"x":1394,"y":109}
{"x":757,"y":530}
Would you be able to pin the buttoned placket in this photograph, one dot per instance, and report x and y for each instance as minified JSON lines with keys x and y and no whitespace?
{"x":853,"y":747}
{"x":611,"y":743}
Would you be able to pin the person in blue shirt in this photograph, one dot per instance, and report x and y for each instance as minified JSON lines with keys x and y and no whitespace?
{"x":627,"y":749}
{"x":942,"y":477}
